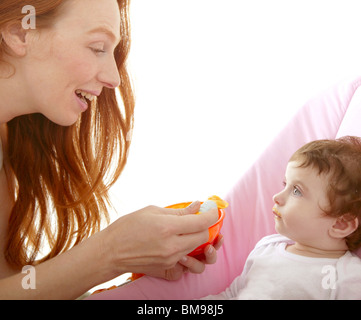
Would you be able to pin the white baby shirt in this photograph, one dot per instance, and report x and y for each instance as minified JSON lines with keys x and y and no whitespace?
{"x":271,"y":272}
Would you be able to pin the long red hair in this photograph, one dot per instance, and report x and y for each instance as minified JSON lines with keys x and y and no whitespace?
{"x":60,"y":176}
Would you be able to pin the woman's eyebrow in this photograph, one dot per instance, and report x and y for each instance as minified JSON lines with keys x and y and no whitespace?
{"x":106,"y":31}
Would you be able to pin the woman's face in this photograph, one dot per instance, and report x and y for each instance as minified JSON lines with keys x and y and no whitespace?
{"x":74,"y":57}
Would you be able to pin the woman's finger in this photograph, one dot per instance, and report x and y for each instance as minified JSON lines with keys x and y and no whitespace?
{"x":191,"y":209}
{"x":218,"y":242}
{"x":192,"y":265}
{"x":193,"y":223}
{"x":210,"y":254}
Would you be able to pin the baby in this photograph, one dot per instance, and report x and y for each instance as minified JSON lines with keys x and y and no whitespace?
{"x":317,"y":217}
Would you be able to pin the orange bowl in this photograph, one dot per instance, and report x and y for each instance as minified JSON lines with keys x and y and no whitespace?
{"x":213,"y":230}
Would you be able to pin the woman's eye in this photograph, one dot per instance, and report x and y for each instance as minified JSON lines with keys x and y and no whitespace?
{"x":97,"y":50}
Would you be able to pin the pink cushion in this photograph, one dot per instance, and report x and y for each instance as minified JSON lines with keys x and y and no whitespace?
{"x":334,"y":113}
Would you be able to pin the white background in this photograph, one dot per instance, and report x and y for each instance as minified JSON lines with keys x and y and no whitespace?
{"x":215,"y":81}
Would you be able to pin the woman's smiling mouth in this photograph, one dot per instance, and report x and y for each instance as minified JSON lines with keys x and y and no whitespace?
{"x":84,"y":98}
{"x":85,"y":95}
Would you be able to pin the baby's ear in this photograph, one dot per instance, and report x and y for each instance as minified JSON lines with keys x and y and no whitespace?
{"x":344,"y":226}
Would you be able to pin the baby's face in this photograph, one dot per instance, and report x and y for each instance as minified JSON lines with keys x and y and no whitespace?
{"x":298,"y":206}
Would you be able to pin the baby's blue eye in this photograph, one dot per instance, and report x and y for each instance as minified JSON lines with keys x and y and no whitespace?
{"x":296,"y":191}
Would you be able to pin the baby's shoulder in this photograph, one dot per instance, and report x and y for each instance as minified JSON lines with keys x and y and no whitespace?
{"x":273,"y":239}
{"x":351,"y":259}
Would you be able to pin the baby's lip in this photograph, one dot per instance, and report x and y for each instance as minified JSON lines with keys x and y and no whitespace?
{"x":276,"y":213}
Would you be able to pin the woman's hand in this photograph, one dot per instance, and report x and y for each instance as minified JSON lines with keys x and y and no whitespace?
{"x":154,"y":240}
{"x":151,"y":241}
{"x":198,"y":264}
{"x":192,"y":264}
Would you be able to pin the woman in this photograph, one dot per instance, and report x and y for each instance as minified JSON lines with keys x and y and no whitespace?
{"x":61,"y":131}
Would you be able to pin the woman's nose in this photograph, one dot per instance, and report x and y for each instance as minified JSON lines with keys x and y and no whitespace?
{"x":109,"y":75}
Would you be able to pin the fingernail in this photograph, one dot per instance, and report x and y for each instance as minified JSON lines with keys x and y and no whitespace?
{"x":184,"y":259}
{"x":194,"y":204}
{"x":210,"y":250}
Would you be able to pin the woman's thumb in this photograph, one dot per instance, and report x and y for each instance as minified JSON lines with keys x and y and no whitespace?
{"x":191,"y":209}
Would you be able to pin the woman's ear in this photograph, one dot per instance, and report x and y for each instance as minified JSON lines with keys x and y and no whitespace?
{"x":344,"y":226}
{"x":15,"y":37}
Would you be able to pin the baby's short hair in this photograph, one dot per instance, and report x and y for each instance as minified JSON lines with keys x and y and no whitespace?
{"x":340,"y":160}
